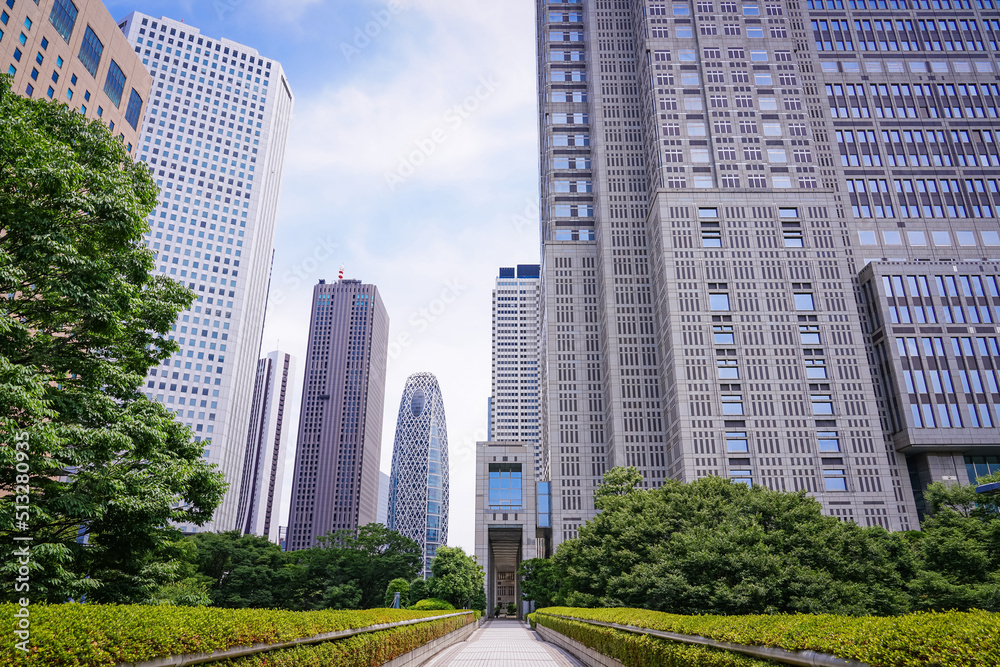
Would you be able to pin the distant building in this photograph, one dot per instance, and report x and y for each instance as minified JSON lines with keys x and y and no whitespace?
{"x":418,"y":487}
{"x":513,"y":518}
{"x":383,"y":499}
{"x":515,"y":406}
{"x":213,"y":228}
{"x":335,"y":483}
{"x":267,"y":446}
{"x":75,"y":53}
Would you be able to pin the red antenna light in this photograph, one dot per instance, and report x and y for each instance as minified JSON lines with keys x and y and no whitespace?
{"x":341,"y":271}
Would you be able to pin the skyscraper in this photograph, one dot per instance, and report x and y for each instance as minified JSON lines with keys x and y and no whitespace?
{"x":336,"y":478}
{"x":515,"y":405}
{"x":418,"y":485}
{"x":214,"y":136}
{"x":267,"y":447}
{"x":75,"y":53}
{"x":758,"y":221}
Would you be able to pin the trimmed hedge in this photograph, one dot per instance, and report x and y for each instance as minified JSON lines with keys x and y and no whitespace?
{"x":634,"y":650}
{"x":950,"y":639}
{"x":372,"y":648}
{"x":84,"y":635}
{"x":432,"y":604}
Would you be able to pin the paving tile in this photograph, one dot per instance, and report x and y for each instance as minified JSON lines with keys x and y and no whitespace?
{"x":507,"y":643}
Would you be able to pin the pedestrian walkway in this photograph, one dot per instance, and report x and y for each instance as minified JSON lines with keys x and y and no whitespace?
{"x":503,"y":642}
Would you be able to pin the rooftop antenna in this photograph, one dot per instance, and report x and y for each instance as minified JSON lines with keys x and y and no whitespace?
{"x":341,"y":274}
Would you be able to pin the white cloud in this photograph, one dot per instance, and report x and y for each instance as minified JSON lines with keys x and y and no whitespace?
{"x":454,"y":219}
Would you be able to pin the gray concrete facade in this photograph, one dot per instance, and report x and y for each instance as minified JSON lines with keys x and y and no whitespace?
{"x":506,"y":518}
{"x":715,"y":177}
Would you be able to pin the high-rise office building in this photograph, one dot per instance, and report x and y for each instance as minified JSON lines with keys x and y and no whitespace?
{"x":74,"y":52}
{"x":515,"y":406}
{"x":336,"y":477}
{"x":418,"y":483}
{"x":214,"y":137}
{"x":267,"y":447}
{"x":769,"y":246}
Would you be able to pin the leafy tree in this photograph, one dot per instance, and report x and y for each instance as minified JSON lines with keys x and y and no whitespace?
{"x":540,"y":581}
{"x":457,"y":576}
{"x":82,"y":320}
{"x":401,"y":586}
{"x":713,"y":546}
{"x":419,"y":590}
{"x":618,"y":482}
{"x":349,"y":569}
{"x":958,"y":549}
{"x":243,"y":571}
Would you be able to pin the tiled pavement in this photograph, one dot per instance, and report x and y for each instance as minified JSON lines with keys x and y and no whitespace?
{"x":503,"y":643}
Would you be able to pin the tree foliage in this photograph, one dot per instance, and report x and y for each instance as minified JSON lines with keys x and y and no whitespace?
{"x":401,"y":586}
{"x":346,"y":570}
{"x":716,"y":547}
{"x":457,"y":578}
{"x":82,"y":320}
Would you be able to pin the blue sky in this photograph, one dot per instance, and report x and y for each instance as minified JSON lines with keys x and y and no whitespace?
{"x":413,"y":161}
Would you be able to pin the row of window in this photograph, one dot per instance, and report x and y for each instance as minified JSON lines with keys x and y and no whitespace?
{"x":899,"y":67}
{"x":950,"y":415}
{"x":901,"y":4}
{"x":934,"y":346}
{"x":941,"y":382}
{"x":965,"y":238}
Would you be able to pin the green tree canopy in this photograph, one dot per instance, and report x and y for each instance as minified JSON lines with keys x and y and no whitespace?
{"x":401,"y":586}
{"x":717,"y":547}
{"x":351,"y":569}
{"x":82,"y":321}
{"x":457,"y":577}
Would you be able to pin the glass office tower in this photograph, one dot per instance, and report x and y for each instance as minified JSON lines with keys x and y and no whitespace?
{"x":418,"y":485}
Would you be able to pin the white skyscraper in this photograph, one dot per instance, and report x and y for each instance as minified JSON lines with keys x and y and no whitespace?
{"x":514,"y":405}
{"x":262,"y":485}
{"x":214,"y":136}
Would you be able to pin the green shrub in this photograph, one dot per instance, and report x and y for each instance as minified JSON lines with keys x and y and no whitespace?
{"x":105,"y":635}
{"x":373,"y":648}
{"x":950,"y":639}
{"x":434,"y":604}
{"x":634,"y":650}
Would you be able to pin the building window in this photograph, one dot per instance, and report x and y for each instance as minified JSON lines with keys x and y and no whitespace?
{"x":63,"y":18}
{"x":822,"y":404}
{"x":134,"y":109}
{"x":711,"y":238}
{"x":793,"y":238}
{"x":816,"y":369}
{"x":505,"y":486}
{"x":732,"y":405}
{"x":114,"y":85}
{"x":737,"y":442}
{"x":835,"y":479}
{"x":809,"y":333}
{"x":718,"y":301}
{"x":728,"y":369}
{"x":741,"y":476}
{"x":829,"y":441}
{"x":90,"y":51}
{"x":723,"y":334}
{"x":804,"y":301}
